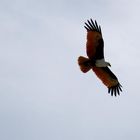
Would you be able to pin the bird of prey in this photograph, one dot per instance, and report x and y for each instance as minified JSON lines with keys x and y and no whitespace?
{"x":96,"y":60}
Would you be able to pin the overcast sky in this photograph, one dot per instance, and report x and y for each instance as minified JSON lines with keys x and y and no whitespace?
{"x":43,"y":93}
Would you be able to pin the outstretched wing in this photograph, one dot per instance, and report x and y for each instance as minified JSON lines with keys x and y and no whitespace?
{"x":95,"y":43}
{"x":109,"y":79}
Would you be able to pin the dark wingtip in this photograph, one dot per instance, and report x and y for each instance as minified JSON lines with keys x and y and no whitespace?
{"x":92,"y":26}
{"x":115,"y":90}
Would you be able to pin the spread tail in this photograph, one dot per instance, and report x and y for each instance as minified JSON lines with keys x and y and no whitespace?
{"x":84,"y":64}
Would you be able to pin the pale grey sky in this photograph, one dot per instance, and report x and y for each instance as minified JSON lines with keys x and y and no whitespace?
{"x":43,"y":94}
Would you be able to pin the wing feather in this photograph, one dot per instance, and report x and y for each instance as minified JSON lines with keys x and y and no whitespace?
{"x":96,"y":25}
{"x":108,"y":79}
{"x":93,"y":23}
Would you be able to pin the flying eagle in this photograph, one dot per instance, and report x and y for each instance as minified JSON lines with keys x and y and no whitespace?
{"x":96,"y":60}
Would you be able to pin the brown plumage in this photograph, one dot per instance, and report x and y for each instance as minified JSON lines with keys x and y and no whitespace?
{"x":95,"y":60}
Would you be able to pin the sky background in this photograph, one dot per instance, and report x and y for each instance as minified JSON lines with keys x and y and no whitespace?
{"x":43,"y":93}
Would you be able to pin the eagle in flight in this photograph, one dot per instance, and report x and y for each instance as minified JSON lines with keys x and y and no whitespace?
{"x":96,"y":60}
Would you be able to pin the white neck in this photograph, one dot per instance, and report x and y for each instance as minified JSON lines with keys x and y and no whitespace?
{"x":101,"y":63}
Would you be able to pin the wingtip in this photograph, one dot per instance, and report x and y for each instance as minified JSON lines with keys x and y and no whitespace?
{"x":91,"y":25}
{"x":115,"y":90}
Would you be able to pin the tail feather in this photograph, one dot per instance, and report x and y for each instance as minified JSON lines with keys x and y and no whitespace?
{"x":84,"y":64}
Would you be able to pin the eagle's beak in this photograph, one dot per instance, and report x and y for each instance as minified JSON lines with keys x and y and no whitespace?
{"x":109,"y":64}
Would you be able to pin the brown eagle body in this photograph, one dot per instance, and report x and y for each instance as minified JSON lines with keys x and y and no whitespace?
{"x":95,"y":60}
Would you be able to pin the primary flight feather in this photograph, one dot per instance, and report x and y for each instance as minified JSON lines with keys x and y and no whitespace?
{"x":96,"y":61}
